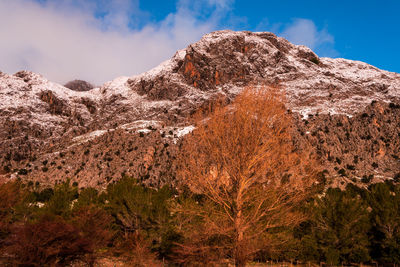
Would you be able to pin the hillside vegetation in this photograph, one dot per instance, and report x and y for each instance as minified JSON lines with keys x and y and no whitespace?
{"x":245,"y":192}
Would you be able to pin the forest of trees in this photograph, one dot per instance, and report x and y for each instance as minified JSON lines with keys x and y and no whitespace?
{"x":246,"y":194}
{"x":141,"y":226}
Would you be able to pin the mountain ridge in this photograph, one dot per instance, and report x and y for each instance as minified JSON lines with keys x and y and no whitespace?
{"x":41,"y":117}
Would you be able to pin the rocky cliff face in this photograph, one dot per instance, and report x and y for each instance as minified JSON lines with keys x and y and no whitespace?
{"x":43,"y":122}
{"x":360,"y":148}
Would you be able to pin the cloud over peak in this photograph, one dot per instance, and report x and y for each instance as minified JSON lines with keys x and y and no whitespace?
{"x":99,"y":40}
{"x":305,"y":32}
{"x":68,"y":40}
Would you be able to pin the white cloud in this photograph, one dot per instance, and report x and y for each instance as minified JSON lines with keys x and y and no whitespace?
{"x":99,"y":40}
{"x":221,"y":5}
{"x":69,"y":39}
{"x":305,"y":32}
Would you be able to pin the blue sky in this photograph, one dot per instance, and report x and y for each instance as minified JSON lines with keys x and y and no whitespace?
{"x":98,"y":40}
{"x":365,"y":30}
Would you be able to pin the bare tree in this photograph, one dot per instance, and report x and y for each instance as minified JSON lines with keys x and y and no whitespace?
{"x":241,"y":157}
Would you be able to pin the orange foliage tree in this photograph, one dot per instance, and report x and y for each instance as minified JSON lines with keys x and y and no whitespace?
{"x":242,"y":159}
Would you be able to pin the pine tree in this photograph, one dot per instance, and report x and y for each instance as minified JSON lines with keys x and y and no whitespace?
{"x":385,"y":219}
{"x":338,"y":230}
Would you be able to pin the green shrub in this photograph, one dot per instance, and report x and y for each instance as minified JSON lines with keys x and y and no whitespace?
{"x":396,"y":177}
{"x":137,"y":209}
{"x":44,"y":195}
{"x":342,"y":172}
{"x":87,"y":197}
{"x":315,"y":60}
{"x":366,"y":179}
{"x":61,"y":201}
{"x":350,"y":167}
{"x":22,"y":172}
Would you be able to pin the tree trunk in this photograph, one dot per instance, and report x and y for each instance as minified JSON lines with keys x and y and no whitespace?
{"x":240,"y":254}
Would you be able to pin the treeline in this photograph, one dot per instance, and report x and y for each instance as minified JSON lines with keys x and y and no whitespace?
{"x":61,"y":225}
{"x":352,"y":226}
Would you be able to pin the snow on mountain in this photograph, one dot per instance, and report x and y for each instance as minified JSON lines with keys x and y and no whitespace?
{"x":222,"y":62}
{"x":40,"y":116}
{"x":20,"y":96}
{"x":312,"y":84}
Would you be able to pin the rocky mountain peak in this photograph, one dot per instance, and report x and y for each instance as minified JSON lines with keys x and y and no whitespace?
{"x":226,"y":61}
{"x":220,"y":59}
{"x":29,"y":76}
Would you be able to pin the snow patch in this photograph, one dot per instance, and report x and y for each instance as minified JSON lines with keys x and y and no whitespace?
{"x":184,"y":131}
{"x":89,"y":136}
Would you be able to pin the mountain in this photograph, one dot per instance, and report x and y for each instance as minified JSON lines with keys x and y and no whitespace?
{"x":348,"y":110}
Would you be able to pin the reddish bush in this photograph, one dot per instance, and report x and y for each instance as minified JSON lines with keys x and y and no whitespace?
{"x":10,"y":196}
{"x":48,"y":242}
{"x":136,"y":250}
{"x":94,"y":224}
